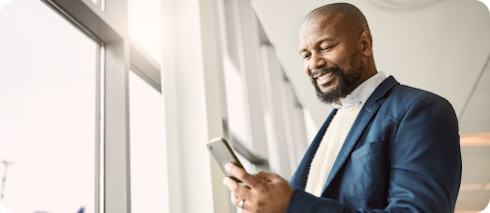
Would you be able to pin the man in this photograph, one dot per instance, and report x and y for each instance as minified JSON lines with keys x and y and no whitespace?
{"x":385,"y":148}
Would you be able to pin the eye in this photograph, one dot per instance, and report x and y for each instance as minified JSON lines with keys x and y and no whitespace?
{"x":326,"y":48}
{"x":306,"y":56}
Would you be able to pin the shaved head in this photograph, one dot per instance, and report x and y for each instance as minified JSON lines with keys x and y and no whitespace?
{"x":336,"y":47}
{"x":352,"y":16}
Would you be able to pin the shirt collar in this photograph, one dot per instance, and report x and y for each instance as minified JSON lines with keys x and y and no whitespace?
{"x":361,"y":93}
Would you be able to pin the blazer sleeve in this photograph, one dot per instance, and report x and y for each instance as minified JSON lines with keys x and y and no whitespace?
{"x":425,"y":164}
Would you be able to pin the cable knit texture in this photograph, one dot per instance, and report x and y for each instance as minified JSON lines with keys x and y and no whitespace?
{"x":330,"y":147}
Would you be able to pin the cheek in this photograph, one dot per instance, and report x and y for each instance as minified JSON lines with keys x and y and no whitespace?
{"x":307,"y":69}
{"x":340,"y":56}
{"x":337,"y":59}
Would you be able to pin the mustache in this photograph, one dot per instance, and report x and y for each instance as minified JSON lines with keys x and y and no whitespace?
{"x":315,"y":73}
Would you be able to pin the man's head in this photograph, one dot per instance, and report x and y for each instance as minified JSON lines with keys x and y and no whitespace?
{"x":336,"y":45}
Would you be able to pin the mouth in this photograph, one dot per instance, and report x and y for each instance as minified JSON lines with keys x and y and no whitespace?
{"x":324,"y":78}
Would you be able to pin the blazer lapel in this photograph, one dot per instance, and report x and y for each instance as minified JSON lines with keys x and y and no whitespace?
{"x":299,"y":178}
{"x":367,"y":112}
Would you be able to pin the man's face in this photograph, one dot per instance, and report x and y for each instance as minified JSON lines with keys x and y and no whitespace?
{"x":331,"y":56}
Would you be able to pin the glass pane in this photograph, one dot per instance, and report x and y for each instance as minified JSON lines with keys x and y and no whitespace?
{"x":47,"y":115}
{"x":145,"y":26}
{"x":274,"y":163}
{"x":148,"y":150}
{"x":311,"y":127}
{"x":94,"y":1}
{"x":235,"y":101}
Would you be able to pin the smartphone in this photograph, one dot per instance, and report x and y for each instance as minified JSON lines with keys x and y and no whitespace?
{"x":223,"y":154}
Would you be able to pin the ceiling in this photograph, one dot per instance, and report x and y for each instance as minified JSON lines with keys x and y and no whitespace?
{"x":442,"y":47}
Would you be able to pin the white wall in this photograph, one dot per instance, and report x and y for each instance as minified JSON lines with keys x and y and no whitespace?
{"x":441,"y":48}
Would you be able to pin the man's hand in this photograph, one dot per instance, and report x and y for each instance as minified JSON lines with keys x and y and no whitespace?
{"x":268,"y":193}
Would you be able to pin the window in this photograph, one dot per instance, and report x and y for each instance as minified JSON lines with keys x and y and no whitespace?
{"x":235,"y":101}
{"x":144,"y":24}
{"x":48,"y":111}
{"x":148,"y":150}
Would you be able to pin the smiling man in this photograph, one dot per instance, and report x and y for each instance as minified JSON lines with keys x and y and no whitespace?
{"x":384,"y":148}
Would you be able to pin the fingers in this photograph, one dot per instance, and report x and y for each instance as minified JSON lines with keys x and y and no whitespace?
{"x":236,"y":202}
{"x":238,"y":193}
{"x":242,"y":175}
{"x":236,"y":189}
{"x":231,"y":184}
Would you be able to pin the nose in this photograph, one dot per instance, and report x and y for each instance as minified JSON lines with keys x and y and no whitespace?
{"x":316,"y":62}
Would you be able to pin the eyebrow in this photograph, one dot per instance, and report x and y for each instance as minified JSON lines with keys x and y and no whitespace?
{"x":317,"y":43}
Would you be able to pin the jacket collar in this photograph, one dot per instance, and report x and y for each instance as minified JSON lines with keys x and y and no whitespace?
{"x":365,"y":116}
{"x":367,"y":112}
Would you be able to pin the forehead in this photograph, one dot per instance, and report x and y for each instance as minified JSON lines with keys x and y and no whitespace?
{"x":327,"y":26}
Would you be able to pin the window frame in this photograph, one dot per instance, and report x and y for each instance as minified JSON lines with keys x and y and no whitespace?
{"x":106,"y":23}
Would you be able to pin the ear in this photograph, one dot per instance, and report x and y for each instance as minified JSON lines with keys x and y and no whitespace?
{"x":366,"y":43}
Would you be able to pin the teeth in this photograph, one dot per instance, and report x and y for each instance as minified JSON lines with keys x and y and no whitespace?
{"x":324,"y":76}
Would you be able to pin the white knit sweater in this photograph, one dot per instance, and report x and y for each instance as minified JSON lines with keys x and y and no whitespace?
{"x":329,"y":148}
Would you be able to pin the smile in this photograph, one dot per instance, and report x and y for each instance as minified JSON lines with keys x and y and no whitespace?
{"x":324,"y":78}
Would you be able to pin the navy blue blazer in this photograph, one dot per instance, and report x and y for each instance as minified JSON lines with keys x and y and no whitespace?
{"x":402,"y":154}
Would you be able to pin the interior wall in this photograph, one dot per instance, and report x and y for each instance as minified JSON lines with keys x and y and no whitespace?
{"x":441,"y":48}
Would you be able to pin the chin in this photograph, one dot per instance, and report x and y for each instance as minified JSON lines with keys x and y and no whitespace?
{"x":327,"y":88}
